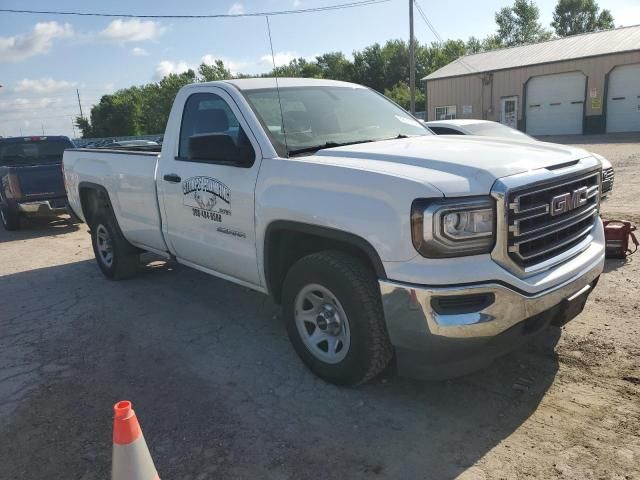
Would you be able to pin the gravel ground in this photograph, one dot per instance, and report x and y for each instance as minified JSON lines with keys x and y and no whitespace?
{"x":221,"y":394}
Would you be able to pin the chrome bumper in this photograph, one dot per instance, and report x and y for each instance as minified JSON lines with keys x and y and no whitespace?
{"x":415,"y":326}
{"x":42,"y":207}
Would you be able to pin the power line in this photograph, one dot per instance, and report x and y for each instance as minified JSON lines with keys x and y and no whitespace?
{"x":426,"y":20}
{"x":437,"y":35}
{"x":340,"y":6}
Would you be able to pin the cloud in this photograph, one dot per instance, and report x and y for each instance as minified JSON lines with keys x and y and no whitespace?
{"x":37,"y":42}
{"x":297,"y":3}
{"x":139,"y":52}
{"x":281,"y":58}
{"x":236,"y":9}
{"x":20,"y":104}
{"x":133,"y":30}
{"x":167,"y":67}
{"x":43,"y":85}
{"x":233,"y":65}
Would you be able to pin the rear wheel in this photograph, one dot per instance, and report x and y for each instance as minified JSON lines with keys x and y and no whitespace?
{"x":334,"y":318}
{"x":116,"y":257}
{"x":9,"y":218}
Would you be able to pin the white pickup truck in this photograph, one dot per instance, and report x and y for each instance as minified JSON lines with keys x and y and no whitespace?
{"x":381,"y":241}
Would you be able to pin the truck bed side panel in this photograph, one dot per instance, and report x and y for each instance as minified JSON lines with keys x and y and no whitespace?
{"x":129,"y":179}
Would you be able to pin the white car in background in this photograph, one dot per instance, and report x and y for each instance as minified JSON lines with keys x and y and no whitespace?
{"x":487,"y":128}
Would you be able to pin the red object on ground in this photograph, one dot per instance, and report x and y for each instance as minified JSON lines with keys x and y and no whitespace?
{"x":617,"y":234}
{"x":131,"y":457}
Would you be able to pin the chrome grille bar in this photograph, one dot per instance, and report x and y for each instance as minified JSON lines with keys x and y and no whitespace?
{"x":556,"y":227}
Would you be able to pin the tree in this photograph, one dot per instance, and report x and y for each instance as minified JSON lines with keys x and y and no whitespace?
{"x":84,"y":126}
{"x":519,"y":24}
{"x":334,"y":65}
{"x":401,"y":94}
{"x":572,"y":17}
{"x":213,"y":72}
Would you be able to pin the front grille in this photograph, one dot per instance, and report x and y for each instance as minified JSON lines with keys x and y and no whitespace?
{"x":547,"y":220}
{"x":607,"y":180}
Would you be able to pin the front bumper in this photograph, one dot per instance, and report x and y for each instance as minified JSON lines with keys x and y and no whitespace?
{"x":440,"y":345}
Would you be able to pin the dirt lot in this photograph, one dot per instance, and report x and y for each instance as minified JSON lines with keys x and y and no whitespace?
{"x":221,"y":394}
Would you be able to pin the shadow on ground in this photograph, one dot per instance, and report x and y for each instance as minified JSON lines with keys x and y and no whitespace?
{"x":34,"y":227}
{"x":218,"y":389}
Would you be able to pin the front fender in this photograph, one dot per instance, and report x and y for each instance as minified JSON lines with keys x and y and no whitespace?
{"x":372,"y":205}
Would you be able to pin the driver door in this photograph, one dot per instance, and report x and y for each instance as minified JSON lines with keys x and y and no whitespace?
{"x":208,"y":197}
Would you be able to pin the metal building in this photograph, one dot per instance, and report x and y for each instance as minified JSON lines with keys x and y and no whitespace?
{"x":586,"y":83}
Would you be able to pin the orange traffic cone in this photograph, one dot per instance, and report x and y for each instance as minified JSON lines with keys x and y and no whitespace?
{"x":131,"y":457}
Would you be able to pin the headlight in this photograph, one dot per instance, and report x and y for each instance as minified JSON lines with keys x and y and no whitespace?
{"x":451,"y":228}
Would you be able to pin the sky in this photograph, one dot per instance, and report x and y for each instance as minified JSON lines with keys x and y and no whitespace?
{"x":45,"y":58}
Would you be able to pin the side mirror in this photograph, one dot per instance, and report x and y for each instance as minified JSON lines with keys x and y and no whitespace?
{"x":220,"y":147}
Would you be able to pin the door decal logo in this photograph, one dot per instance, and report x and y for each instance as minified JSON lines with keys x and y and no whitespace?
{"x":203,"y":195}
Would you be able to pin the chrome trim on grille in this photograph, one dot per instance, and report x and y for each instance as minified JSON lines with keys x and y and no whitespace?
{"x":511,"y":235}
{"x":608,"y":177}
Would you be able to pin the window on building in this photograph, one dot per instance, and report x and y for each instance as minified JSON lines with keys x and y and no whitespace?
{"x":446,"y":113}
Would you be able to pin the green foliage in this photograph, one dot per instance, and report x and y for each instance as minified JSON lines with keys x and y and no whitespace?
{"x":211,"y":73}
{"x":401,"y":94}
{"x":519,"y":24}
{"x":572,"y":17}
{"x":84,"y":126}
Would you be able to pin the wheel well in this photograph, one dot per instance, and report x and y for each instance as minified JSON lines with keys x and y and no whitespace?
{"x":93,"y":200}
{"x":286,"y":243}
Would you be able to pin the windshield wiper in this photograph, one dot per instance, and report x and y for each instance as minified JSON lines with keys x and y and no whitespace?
{"x":315,"y":148}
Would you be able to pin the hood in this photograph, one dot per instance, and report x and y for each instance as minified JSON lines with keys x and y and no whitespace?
{"x":455,"y":165}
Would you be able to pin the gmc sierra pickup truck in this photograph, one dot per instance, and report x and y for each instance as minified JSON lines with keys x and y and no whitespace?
{"x":31,"y":178}
{"x":381,"y":241}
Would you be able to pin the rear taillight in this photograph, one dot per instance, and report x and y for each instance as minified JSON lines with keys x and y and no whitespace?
{"x":14,"y":186}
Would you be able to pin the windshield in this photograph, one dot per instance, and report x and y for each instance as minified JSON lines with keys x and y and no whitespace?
{"x":33,"y":151}
{"x":496,"y":130}
{"x":321,"y":117}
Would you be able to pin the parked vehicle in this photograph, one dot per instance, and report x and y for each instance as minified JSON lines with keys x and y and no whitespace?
{"x":133,"y":143}
{"x":31,"y":176}
{"x":378,"y":238}
{"x":488,"y":128}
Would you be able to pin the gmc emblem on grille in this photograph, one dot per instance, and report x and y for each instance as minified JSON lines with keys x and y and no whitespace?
{"x":568,"y":201}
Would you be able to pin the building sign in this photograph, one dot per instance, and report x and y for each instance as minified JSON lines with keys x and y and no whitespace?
{"x":467,"y":109}
{"x":593,"y":93}
{"x":596,"y":103}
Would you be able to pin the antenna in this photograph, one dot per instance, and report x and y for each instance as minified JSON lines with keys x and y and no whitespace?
{"x":275,"y":74}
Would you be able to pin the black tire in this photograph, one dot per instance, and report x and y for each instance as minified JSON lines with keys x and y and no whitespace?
{"x":9,"y":218}
{"x":356,"y":288}
{"x":124,"y":259}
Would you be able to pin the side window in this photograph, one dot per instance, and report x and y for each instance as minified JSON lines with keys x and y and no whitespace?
{"x":210,"y":131}
{"x":445,"y":131}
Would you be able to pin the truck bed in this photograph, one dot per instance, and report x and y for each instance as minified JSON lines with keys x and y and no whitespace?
{"x":129,"y":178}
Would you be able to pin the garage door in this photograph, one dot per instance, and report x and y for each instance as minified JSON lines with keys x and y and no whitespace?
{"x":623,"y":99}
{"x":555,"y":104}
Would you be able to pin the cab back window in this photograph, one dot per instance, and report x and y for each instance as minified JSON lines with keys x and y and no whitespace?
{"x":30,"y":151}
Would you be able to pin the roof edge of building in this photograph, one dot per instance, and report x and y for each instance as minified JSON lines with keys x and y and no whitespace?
{"x":461,"y":59}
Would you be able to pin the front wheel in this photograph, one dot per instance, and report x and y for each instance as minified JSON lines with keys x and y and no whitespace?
{"x":116,"y":257}
{"x":334,"y":318}
{"x":10,"y":219}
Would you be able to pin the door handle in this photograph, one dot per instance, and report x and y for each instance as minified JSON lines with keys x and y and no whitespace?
{"x":172,"y":177}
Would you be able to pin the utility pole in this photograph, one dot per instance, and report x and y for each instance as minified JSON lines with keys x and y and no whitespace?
{"x":42,"y":125}
{"x":79,"y":104}
{"x":73,"y":125}
{"x":412,"y":61}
